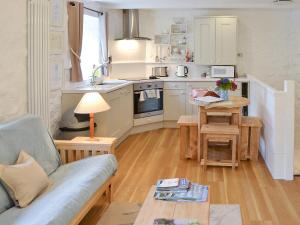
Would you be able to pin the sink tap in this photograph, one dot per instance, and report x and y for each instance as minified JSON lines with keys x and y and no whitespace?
{"x":95,"y":70}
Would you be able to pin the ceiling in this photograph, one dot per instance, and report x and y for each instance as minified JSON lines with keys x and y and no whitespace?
{"x":195,"y":4}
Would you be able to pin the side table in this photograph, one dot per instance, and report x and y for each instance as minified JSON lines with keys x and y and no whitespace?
{"x":83,"y":147}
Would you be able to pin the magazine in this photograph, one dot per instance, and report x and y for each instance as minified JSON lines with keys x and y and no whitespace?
{"x":166,"y":185}
{"x":195,"y":192}
{"x":207,"y":100}
{"x":175,"y":222}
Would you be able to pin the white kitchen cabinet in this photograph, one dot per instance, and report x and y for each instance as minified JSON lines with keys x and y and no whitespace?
{"x":205,"y":43}
{"x":119,"y":119}
{"x":215,"y":40}
{"x":174,"y":104}
{"x":226,"y":41}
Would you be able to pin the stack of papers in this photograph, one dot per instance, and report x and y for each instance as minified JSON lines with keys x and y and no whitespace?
{"x":180,"y":190}
{"x":207,"y":100}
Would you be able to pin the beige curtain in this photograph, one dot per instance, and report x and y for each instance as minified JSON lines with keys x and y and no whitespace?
{"x":75,"y":25}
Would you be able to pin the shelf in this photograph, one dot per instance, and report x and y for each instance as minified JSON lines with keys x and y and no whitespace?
{"x":127,"y":62}
{"x":151,"y":62}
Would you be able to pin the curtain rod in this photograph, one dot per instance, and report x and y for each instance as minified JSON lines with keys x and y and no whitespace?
{"x":101,"y":13}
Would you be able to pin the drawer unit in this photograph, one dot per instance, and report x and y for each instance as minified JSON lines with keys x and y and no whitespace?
{"x":174,"y":85}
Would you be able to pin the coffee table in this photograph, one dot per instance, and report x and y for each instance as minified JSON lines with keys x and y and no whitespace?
{"x":153,"y":209}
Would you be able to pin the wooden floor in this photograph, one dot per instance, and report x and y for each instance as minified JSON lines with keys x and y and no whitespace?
{"x":146,"y":157}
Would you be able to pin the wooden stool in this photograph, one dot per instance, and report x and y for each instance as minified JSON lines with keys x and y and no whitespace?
{"x":250,"y":134}
{"x":188,"y":126}
{"x":219,"y":133}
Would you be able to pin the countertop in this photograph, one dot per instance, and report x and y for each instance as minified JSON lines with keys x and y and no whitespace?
{"x":112,"y":85}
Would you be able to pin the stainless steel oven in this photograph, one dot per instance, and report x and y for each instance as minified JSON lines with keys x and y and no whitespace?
{"x":148,"y":99}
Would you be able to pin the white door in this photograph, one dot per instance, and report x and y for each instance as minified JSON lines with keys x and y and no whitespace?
{"x":204,"y":35}
{"x":174,"y":104}
{"x":226,"y":38}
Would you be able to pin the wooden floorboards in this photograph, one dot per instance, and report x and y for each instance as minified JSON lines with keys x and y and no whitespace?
{"x":144,"y":158}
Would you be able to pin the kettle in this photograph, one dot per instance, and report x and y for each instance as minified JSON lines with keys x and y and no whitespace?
{"x":182,"y":71}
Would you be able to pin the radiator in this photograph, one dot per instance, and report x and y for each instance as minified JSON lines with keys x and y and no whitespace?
{"x":38,"y":77}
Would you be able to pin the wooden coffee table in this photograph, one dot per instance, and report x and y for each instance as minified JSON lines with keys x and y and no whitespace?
{"x":153,"y":209}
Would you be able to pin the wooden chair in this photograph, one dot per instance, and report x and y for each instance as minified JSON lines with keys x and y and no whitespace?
{"x":188,"y":131}
{"x":219,"y":133}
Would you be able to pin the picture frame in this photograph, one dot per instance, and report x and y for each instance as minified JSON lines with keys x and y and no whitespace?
{"x":57,"y":42}
{"x":56,"y":72}
{"x":57,"y":13}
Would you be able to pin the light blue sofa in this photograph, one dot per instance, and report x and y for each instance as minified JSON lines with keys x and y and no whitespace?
{"x":73,"y":185}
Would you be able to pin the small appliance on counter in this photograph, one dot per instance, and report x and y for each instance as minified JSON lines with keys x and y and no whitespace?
{"x":222,"y":71}
{"x":182,"y":71}
{"x":161,"y":71}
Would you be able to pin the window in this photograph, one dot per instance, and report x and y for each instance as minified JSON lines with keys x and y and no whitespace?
{"x":90,"y":53}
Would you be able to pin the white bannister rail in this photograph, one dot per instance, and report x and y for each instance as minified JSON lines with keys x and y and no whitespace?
{"x":38,"y":38}
{"x":277,"y":111}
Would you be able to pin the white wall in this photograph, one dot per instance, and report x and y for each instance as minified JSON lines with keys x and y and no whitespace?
{"x":276,"y":110}
{"x":259,"y":30}
{"x":13,"y":62}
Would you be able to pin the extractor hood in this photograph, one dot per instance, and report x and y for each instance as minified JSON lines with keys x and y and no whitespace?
{"x":131,"y":25}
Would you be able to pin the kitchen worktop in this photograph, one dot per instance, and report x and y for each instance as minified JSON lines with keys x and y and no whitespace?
{"x":112,"y":85}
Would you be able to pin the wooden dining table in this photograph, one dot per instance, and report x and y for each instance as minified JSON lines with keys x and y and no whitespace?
{"x":232,"y":107}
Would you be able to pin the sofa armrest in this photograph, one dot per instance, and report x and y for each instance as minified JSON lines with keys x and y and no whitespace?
{"x":74,"y":150}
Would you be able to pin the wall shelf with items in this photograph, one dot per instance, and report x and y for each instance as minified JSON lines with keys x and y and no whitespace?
{"x":175,"y":41}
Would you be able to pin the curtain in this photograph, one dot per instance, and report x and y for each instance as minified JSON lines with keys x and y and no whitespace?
{"x":75,"y":27}
{"x":104,"y":43}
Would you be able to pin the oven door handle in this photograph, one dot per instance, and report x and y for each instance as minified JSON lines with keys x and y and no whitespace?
{"x":138,"y":92}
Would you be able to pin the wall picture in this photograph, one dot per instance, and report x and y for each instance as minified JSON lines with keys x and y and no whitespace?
{"x":57,"y":39}
{"x":56,"y":69}
{"x":57,"y":13}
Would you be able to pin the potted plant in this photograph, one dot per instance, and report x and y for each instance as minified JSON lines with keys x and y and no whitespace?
{"x":223,"y":86}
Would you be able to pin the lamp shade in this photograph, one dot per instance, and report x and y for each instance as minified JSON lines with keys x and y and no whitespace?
{"x":91,"y":102}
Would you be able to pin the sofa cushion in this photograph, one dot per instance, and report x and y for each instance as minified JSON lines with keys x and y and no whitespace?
{"x":27,"y":132}
{"x":24,"y":180}
{"x":73,"y":185}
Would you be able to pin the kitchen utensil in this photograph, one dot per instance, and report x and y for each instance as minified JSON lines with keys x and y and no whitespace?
{"x":161,"y":71}
{"x":182,"y":71}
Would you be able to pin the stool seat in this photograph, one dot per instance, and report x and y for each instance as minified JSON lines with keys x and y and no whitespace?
{"x":187,"y":120}
{"x":220,"y":129}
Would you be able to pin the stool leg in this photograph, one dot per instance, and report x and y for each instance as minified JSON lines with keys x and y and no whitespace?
{"x":233,"y":151}
{"x":205,"y":149}
{"x":183,"y":141}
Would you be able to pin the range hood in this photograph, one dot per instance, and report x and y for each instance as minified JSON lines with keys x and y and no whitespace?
{"x":131,"y":25}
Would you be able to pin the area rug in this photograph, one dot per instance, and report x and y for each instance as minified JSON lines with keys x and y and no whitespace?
{"x":120,"y":213}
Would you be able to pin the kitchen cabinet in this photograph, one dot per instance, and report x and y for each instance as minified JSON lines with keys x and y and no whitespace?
{"x":205,"y":43}
{"x":114,"y":122}
{"x":119,"y":119}
{"x":215,"y":40}
{"x":174,"y":104}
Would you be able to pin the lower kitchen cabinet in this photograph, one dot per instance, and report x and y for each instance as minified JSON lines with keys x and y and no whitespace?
{"x":114,"y":122}
{"x":174,"y":104}
{"x":119,"y":119}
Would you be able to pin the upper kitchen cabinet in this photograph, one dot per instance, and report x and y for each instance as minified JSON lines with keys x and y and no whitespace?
{"x":215,"y":40}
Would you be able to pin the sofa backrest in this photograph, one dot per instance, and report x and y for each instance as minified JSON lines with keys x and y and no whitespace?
{"x":29,"y":134}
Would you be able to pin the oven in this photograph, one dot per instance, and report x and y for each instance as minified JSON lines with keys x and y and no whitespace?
{"x":148,"y":99}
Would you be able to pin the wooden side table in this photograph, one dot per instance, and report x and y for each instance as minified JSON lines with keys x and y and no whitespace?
{"x":83,"y":147}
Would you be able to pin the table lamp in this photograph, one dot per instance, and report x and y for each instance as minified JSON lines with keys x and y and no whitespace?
{"x":91,"y":103}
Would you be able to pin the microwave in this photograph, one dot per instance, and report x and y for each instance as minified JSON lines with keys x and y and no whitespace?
{"x":222,"y":71}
